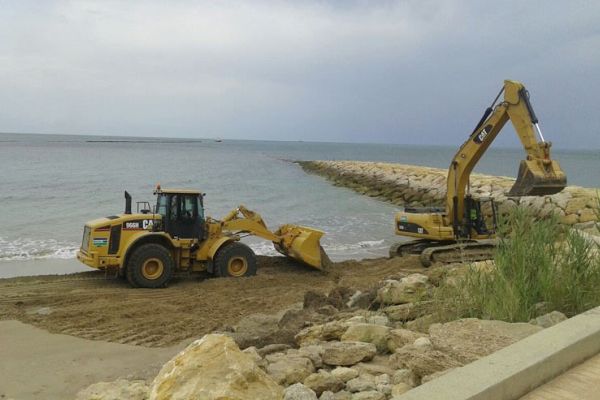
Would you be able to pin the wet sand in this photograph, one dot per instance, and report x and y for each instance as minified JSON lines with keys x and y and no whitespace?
{"x":11,"y":269}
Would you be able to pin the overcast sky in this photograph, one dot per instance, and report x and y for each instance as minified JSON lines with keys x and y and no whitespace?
{"x":391,"y":71}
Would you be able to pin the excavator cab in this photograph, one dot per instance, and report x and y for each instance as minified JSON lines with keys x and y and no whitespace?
{"x":476,"y":220}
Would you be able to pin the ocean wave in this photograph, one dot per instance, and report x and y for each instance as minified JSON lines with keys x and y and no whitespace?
{"x":23,"y":249}
{"x":338,"y":250}
{"x":362,"y":245}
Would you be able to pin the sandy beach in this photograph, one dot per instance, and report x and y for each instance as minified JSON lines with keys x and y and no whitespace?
{"x":73,"y":330}
{"x":37,"y":364}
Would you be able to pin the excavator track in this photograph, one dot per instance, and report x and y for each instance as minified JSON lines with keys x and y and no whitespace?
{"x":446,"y":252}
{"x":459,"y":252}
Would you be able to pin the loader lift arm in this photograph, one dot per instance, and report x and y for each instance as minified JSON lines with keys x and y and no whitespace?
{"x":298,"y":242}
{"x":538,"y":173}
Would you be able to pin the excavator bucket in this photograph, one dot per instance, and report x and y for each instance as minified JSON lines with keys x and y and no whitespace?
{"x":538,"y":178}
{"x":302,"y":244}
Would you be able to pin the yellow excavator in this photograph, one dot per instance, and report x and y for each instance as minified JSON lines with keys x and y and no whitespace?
{"x":459,"y":231}
{"x":150,"y":246}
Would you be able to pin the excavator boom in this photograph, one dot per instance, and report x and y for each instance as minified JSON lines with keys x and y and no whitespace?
{"x":538,"y":174}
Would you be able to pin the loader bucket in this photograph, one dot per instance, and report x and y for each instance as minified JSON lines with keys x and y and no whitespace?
{"x":302,"y":244}
{"x":538,"y":179}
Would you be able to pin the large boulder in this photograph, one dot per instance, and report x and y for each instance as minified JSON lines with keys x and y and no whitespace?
{"x":470,"y":339}
{"x":401,"y":337}
{"x":548,"y":320}
{"x":260,"y":330}
{"x":314,"y":353}
{"x":344,"y":373}
{"x":323,"y":381}
{"x":368,"y":395}
{"x":361,"y":383}
{"x":117,"y":390}
{"x":369,"y":333}
{"x":422,"y":360}
{"x":287,"y":370}
{"x":410,"y":289}
{"x":318,"y":333}
{"x":400,"y":388}
{"x":299,"y":392}
{"x":213,"y":368}
{"x":402,"y":312}
{"x":256,"y":330}
{"x":347,"y":353}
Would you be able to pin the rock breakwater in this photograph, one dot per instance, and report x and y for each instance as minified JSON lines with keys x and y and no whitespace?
{"x":410,"y":185}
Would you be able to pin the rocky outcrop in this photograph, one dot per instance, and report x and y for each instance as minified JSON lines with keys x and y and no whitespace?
{"x":369,"y":333}
{"x":409,"y":185}
{"x":548,"y":320}
{"x":470,"y":339}
{"x":410,"y":289}
{"x":213,"y":368}
{"x":376,"y":352}
{"x":347,"y":353}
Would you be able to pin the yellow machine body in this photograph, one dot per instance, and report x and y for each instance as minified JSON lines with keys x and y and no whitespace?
{"x":108,"y":243}
{"x":462,"y":216}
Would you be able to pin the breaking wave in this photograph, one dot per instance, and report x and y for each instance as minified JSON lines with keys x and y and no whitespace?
{"x":23,"y":249}
{"x":336,"y":251}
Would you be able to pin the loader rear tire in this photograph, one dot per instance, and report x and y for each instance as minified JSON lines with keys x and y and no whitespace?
{"x":150,"y":266}
{"x":235,"y":260}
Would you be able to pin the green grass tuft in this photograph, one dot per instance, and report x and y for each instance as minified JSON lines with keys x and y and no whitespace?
{"x":540,"y":266}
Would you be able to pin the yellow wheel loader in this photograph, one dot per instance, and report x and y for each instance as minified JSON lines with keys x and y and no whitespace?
{"x":150,"y":246}
{"x":459,"y":231}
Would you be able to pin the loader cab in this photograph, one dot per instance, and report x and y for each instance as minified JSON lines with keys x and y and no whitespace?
{"x":182,"y":213}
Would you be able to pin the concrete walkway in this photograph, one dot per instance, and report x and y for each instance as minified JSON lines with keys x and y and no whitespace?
{"x":579,"y":383}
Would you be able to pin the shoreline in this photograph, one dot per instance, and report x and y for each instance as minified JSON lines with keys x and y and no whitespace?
{"x":41,"y":267}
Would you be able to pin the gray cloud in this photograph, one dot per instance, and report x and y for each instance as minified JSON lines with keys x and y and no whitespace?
{"x":393,"y":71}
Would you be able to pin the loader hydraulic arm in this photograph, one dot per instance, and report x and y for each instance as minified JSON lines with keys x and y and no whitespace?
{"x":243,"y":220}
{"x":298,"y":242}
{"x":538,"y":174}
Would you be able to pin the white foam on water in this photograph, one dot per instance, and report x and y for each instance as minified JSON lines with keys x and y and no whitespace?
{"x":336,"y":251}
{"x":264,"y":249}
{"x":364,"y":244}
{"x":23,"y":249}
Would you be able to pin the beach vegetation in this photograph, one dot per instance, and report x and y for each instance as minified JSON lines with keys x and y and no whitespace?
{"x":540,"y":266}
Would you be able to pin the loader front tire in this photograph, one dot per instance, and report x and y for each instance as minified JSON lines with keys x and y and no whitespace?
{"x":150,"y":266}
{"x":235,"y":260}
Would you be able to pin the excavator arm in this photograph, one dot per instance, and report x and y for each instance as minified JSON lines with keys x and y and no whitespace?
{"x":538,"y":173}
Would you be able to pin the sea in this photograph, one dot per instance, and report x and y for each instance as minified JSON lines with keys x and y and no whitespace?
{"x":50,"y":185}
